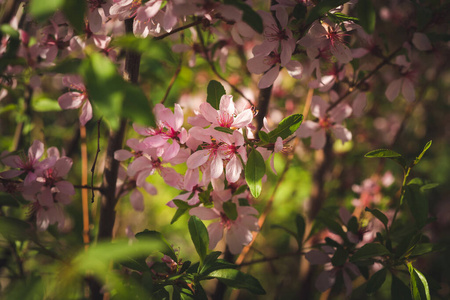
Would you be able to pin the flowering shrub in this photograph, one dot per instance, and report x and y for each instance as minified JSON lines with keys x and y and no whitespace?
{"x":267,"y":84}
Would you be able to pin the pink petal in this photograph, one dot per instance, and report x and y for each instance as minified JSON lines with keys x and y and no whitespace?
{"x":215,"y":232}
{"x":216,"y":166}
{"x":393,"y":89}
{"x":197,"y":159}
{"x":318,"y":107}
{"x":318,"y":139}
{"x":359,"y":104}
{"x":256,"y":65}
{"x":45,"y":198}
{"x":122,"y":155}
{"x":226,"y":105}
{"x":408,"y":90}
{"x":86,"y":113}
{"x":324,"y":281}
{"x":295,"y":69}
{"x":233,"y":169}
{"x":171,"y":151}
{"x":62,"y":166}
{"x":204,"y":213}
{"x":269,"y":77}
{"x":342,"y":133}
{"x":65,"y":187}
{"x":421,"y":41}
{"x":243,"y":119}
{"x":71,"y":100}
{"x":36,"y":150}
{"x":137,"y":200}
{"x":317,"y":257}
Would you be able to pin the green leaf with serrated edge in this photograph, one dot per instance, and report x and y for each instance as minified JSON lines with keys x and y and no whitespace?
{"x":301,"y":226}
{"x":417,"y":203}
{"x":74,"y":11}
{"x":299,"y":11}
{"x":369,"y":251}
{"x":151,"y":235}
{"x":42,"y":10}
{"x":379,"y":215}
{"x":286,"y":128}
{"x":376,"y":281}
{"x":215,"y":91}
{"x":199,"y":236}
{"x":418,"y":284}
{"x":224,"y":129}
{"x":399,"y":290}
{"x":254,"y":172}
{"x":418,"y":158}
{"x":178,"y":214}
{"x":230,"y":210}
{"x":249,"y":16}
{"x":322,"y":8}
{"x":367,"y":15}
{"x":340,"y":257}
{"x":240,"y":190}
{"x":263,"y":136}
{"x":236,"y":279}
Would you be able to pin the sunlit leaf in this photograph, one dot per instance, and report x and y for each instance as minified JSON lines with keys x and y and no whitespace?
{"x":286,"y":128}
{"x":215,"y":91}
{"x":199,"y":236}
{"x":254,"y":172}
{"x":238,"y":280}
{"x":418,"y":284}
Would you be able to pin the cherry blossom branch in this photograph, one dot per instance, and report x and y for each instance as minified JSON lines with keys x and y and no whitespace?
{"x":351,"y":89}
{"x":263,"y":106}
{"x":96,"y":156}
{"x":88,"y":187}
{"x":196,"y":22}
{"x":213,"y":68}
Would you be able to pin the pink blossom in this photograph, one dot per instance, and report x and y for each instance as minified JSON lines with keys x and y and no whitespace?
{"x":27,"y":164}
{"x":404,"y":83}
{"x":327,"y":121}
{"x":238,"y":232}
{"x":77,"y":98}
{"x":226,"y":116}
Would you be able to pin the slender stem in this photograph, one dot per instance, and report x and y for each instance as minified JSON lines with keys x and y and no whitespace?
{"x":88,"y":187}
{"x":84,"y":192}
{"x":96,"y":156}
{"x":162,"y":36}
{"x":364,"y":79}
{"x":172,"y":81}
{"x":267,"y":259}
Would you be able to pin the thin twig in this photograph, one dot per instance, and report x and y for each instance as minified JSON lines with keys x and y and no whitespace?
{"x":197,"y":22}
{"x":267,"y":259}
{"x":363,"y":80}
{"x":84,"y":192}
{"x":96,"y":156}
{"x":172,"y":81}
{"x":88,"y":187}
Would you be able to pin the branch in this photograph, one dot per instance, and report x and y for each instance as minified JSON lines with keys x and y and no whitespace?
{"x":172,"y":81}
{"x":267,"y":259}
{"x":96,"y":156}
{"x":160,"y":37}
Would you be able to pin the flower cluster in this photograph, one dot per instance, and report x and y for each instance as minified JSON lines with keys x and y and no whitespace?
{"x":41,"y":182}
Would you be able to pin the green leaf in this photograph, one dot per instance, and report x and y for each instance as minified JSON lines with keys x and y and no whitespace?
{"x":9,"y":30}
{"x":399,"y":290}
{"x":367,"y":15}
{"x":215,"y":91}
{"x":7,"y":199}
{"x":14,"y":229}
{"x":301,"y":227}
{"x":45,"y":104}
{"x":263,"y":136}
{"x":286,"y":128}
{"x":379,"y":215}
{"x":376,"y":281}
{"x":211,"y":264}
{"x":385,"y":153}
{"x":322,"y":8}
{"x":240,"y":190}
{"x":224,"y":129}
{"x":135,"y":264}
{"x":249,"y":16}
{"x":332,"y":225}
{"x":178,"y":214}
{"x":230,"y":210}
{"x":236,"y":279}
{"x":254,"y":172}
{"x":199,"y":236}
{"x":424,"y":248}
{"x":369,"y":251}
{"x":418,"y":158}
{"x":42,"y":10}
{"x":417,"y":203}
{"x":74,"y":11}
{"x":340,"y":257}
{"x":418,"y":284}
{"x":428,"y":186}
{"x":157,"y":238}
